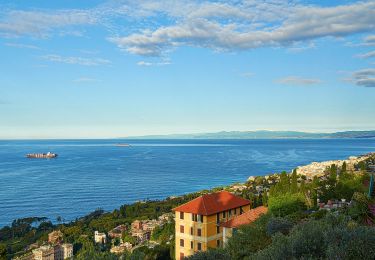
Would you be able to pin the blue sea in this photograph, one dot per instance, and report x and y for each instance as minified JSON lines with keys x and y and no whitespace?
{"x":91,"y":174}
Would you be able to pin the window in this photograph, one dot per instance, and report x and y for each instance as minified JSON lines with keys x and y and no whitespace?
{"x":199,"y":232}
{"x":182,"y":256}
{"x":181,"y":243}
{"x":181,"y":215}
{"x":200,"y":218}
{"x":191,"y":231}
{"x":194,"y":217}
{"x":181,"y":229}
{"x":217,"y":230}
{"x":241,"y":211}
{"x":235,"y":211}
{"x":217,"y":218}
{"x":199,"y":246}
{"x":229,"y":213}
{"x":223,"y":214}
{"x":192,"y":245}
{"x":218,"y":243}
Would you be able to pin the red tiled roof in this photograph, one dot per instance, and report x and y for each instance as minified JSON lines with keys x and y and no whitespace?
{"x":212,"y":203}
{"x":245,"y":218}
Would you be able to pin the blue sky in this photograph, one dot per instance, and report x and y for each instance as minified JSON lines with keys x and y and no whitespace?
{"x":80,"y":68}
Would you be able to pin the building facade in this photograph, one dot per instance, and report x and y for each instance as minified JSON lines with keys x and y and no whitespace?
{"x":198,"y":221}
{"x":44,"y":253}
{"x":67,"y":250}
{"x":100,"y":238}
{"x":55,"y":237}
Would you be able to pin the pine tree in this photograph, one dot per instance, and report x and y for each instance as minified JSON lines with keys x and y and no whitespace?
{"x":343,"y":167}
{"x":294,"y":182}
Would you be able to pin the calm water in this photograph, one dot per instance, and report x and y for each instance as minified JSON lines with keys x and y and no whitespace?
{"x":89,"y":174}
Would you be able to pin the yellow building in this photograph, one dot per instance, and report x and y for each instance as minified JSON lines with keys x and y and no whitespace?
{"x":198,"y":221}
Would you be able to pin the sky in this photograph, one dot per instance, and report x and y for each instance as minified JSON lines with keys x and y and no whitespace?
{"x":103,"y":69}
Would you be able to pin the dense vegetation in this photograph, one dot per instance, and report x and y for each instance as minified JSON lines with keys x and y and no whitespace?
{"x":295,"y":229}
{"x":15,"y":239}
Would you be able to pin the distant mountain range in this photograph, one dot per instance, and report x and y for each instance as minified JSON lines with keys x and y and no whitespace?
{"x":263,"y":134}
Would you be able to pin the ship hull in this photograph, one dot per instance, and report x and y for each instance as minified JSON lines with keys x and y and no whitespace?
{"x":41,"y":156}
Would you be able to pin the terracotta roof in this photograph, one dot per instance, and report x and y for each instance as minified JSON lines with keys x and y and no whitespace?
{"x":245,"y":218}
{"x":212,"y":203}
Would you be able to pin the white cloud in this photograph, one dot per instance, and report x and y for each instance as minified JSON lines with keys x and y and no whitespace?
{"x":152,"y":27}
{"x":364,"y":78}
{"x":148,"y":64}
{"x":21,"y":46}
{"x":85,"y":80}
{"x":369,"y":40}
{"x":198,"y":28}
{"x":301,"y":47}
{"x":367,"y":55}
{"x":144,"y":63}
{"x":295,"y":80}
{"x":39,"y":23}
{"x":76,"y":60}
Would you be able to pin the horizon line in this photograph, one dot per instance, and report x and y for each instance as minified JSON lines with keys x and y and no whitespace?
{"x":182,"y":134}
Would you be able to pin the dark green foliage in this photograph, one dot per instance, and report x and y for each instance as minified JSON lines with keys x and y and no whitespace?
{"x":3,"y":251}
{"x":278,"y":224}
{"x":319,"y":214}
{"x":243,"y":243}
{"x":94,"y":255}
{"x":360,"y":209}
{"x":164,"y":233}
{"x":294,"y":182}
{"x":128,"y":238}
{"x":305,"y":241}
{"x":218,"y":254}
{"x":157,"y":253}
{"x":137,"y":255}
{"x":358,"y":243}
{"x":343,"y":168}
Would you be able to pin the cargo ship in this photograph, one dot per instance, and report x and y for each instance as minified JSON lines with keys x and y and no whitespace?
{"x":41,"y":155}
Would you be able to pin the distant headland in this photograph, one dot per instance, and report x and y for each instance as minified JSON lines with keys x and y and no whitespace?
{"x":262,"y":134}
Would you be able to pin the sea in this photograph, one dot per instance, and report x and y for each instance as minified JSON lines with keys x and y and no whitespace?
{"x":92,"y":174}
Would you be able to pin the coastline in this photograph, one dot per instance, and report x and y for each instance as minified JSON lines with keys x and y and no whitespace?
{"x":255,"y":189}
{"x":309,"y":170}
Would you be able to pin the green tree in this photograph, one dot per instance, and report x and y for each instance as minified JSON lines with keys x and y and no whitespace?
{"x":265,"y":199}
{"x":282,"y":186}
{"x":343,"y":167}
{"x":3,"y":251}
{"x":360,"y":209}
{"x":241,"y":245}
{"x":128,"y":238}
{"x":294,"y":182}
{"x":285,"y":204}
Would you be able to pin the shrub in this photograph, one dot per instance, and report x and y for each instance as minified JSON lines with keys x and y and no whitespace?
{"x":249,"y":239}
{"x":285,"y":204}
{"x":355,"y":243}
{"x":214,"y":254}
{"x":281,"y":225}
{"x":319,"y":214}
